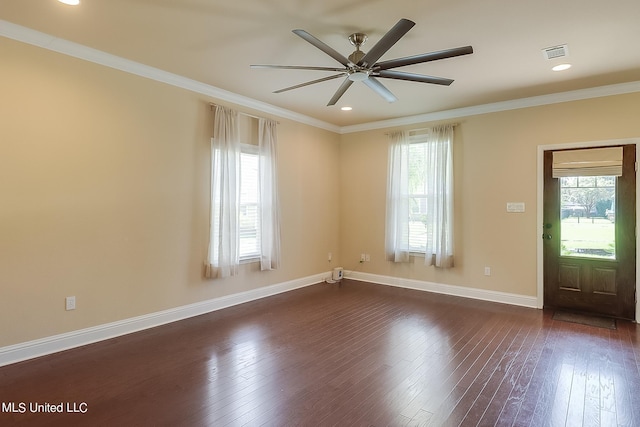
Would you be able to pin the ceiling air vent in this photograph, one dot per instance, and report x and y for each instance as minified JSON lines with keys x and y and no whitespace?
{"x":555,"y":51}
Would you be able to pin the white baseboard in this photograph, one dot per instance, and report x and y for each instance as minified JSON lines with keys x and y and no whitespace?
{"x":460,"y":291}
{"x":40,"y":347}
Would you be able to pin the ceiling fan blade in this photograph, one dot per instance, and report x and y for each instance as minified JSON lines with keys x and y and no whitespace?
{"x":385,"y":43}
{"x":425,"y":57}
{"x":380,"y":89}
{"x":324,"y":79}
{"x":341,"y":90}
{"x":323,"y":47}
{"x":298,"y":67}
{"x":399,"y":75}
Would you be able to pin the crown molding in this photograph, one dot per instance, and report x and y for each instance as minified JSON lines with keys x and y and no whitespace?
{"x":515,"y":104}
{"x":65,"y":47}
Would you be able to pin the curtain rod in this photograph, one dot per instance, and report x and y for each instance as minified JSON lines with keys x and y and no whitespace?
{"x":424,"y":129}
{"x":211,"y":105}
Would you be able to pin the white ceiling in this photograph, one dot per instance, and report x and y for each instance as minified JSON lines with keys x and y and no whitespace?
{"x":215,"y":41}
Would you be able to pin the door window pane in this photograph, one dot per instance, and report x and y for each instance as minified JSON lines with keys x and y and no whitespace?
{"x":587,"y":216}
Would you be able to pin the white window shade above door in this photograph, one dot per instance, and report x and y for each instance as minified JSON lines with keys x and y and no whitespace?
{"x":588,"y":162}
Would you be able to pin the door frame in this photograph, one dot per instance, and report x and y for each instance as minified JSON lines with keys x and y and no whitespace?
{"x":540,"y":214}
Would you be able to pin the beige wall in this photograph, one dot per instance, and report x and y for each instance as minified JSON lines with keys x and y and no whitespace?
{"x":104,"y":195}
{"x":495,"y":159}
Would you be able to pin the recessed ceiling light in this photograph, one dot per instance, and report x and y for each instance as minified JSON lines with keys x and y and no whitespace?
{"x":70,"y":2}
{"x":561,"y":67}
{"x":346,"y":108}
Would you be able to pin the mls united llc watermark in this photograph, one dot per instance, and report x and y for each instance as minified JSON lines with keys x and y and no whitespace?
{"x":46,"y":407}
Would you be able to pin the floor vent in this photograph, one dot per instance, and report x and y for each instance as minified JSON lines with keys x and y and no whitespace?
{"x":555,"y":51}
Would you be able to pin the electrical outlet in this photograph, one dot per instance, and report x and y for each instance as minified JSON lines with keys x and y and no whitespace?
{"x":487,"y":271}
{"x":363,"y":257}
{"x":367,"y":257}
{"x":70,"y":303}
{"x":329,"y":256}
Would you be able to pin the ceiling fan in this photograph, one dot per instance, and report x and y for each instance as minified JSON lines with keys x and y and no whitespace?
{"x":362,"y":67}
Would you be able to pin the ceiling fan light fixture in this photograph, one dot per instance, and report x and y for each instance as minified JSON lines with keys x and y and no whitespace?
{"x":70,"y":2}
{"x":358,"y":76}
{"x":346,"y":108}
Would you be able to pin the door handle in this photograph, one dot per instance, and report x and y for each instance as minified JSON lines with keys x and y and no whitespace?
{"x":546,"y":236}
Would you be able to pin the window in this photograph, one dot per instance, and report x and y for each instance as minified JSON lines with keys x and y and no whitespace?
{"x":588,"y":227}
{"x":420,"y":196}
{"x":417,"y":197}
{"x":588,"y":180}
{"x":244,"y":222}
{"x":247,"y":215}
{"x":249,"y":207}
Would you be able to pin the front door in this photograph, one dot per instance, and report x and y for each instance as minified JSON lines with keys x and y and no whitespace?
{"x":589,"y":238}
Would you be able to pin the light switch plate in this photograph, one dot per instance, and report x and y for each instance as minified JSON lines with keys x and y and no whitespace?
{"x":515,"y":207}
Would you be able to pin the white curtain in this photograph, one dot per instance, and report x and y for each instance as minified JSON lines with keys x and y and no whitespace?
{"x":223,"y":257}
{"x":397,"y":218}
{"x":439,"y":160}
{"x":269,"y":205}
{"x":438,"y":218}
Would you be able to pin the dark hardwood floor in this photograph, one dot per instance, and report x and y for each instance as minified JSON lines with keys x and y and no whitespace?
{"x":351,"y":355}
